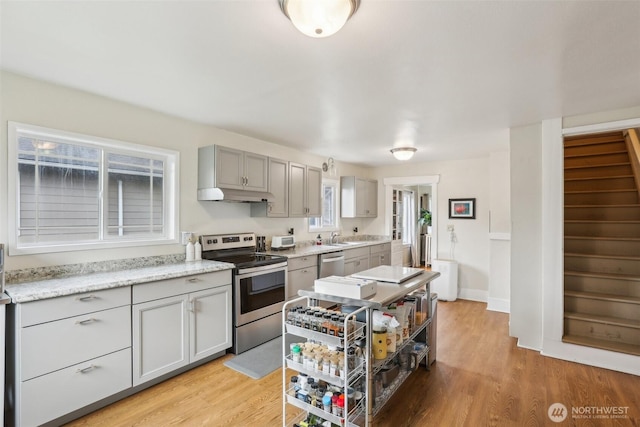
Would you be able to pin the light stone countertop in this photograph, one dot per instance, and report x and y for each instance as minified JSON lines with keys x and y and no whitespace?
{"x":306,"y":249}
{"x":57,"y":287}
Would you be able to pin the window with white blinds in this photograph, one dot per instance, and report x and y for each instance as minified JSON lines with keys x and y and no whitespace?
{"x":74,"y":191}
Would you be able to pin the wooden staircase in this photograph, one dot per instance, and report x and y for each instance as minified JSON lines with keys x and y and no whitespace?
{"x":602,"y":242}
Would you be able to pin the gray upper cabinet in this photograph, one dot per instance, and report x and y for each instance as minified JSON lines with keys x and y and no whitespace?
{"x":359,"y":197}
{"x":241,"y":170}
{"x":305,"y":183}
{"x":278,"y":207}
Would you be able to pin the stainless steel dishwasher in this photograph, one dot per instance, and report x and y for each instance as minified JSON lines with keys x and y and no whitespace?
{"x":331,"y":264}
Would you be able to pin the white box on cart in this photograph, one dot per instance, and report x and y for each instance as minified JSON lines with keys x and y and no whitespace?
{"x":347,"y":287}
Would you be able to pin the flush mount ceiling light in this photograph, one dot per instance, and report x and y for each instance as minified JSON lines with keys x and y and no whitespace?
{"x":319,"y":18}
{"x":403,"y":153}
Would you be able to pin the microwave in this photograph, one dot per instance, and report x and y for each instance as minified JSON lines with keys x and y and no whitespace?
{"x":283,"y":242}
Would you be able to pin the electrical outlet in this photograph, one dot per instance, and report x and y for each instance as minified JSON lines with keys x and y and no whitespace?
{"x":184,"y":237}
{"x":450,"y":227}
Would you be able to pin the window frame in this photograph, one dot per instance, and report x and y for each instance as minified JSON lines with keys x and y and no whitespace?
{"x":171,"y":196}
{"x":336,"y":185}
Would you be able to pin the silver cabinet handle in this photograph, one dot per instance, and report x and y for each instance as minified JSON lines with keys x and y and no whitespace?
{"x":87,"y":369}
{"x":86,"y":298}
{"x":192,"y":305}
{"x":193,"y":280}
{"x":86,"y":321}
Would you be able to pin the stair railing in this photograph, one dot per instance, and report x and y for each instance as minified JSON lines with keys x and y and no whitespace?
{"x":633,"y":147}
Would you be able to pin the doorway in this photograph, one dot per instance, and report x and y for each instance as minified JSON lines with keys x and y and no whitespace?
{"x":419,"y":185}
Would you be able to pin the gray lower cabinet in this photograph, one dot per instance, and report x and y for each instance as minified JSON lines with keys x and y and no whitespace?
{"x":68,"y":352}
{"x":356,"y":260}
{"x":179,"y":321}
{"x":302,"y":271}
{"x":380,"y":255}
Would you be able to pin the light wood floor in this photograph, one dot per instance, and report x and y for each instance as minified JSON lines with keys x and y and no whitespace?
{"x":480,"y":378}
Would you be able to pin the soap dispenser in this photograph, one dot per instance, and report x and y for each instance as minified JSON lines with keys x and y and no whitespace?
{"x":318,"y":240}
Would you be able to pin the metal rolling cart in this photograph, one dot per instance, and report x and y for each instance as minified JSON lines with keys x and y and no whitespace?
{"x":362,"y":414}
{"x":356,"y":367}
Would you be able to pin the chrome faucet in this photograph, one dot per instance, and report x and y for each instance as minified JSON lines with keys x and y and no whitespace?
{"x":332,"y":239}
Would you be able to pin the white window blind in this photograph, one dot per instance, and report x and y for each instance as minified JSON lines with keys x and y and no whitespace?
{"x":75,"y":190}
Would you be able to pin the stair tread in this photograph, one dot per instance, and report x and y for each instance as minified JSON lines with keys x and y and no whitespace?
{"x":619,"y":239}
{"x":602,"y":165}
{"x":626,"y":257}
{"x":599,"y":177}
{"x":604,"y":296}
{"x":574,"y":155}
{"x":615,"y":276}
{"x":616,"y":190}
{"x":603,"y":344}
{"x":607,"y":320}
{"x":602,"y":221}
{"x":607,"y":206}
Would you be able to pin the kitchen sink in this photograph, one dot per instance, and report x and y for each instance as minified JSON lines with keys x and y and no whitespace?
{"x":346,"y":243}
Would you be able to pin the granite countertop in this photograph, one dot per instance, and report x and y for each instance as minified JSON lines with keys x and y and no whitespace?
{"x":57,"y":287}
{"x":305,"y":249}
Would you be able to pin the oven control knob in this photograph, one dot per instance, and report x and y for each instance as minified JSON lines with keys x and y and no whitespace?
{"x":246,"y":239}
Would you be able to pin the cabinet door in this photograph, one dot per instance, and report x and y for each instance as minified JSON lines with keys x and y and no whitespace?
{"x":371,"y":207}
{"x":256,"y":172}
{"x":279,"y":187}
{"x":209,"y":322}
{"x":229,"y":168}
{"x":160,"y":339}
{"x":361,"y":197}
{"x":302,"y":279}
{"x":314,"y":191}
{"x":297,"y":193}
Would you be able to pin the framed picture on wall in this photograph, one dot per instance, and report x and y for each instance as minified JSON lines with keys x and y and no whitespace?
{"x":462,"y":208}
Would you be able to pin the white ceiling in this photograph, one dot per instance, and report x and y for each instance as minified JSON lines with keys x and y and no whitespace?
{"x":449,"y":77}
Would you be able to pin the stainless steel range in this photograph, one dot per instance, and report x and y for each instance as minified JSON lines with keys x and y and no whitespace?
{"x":259,"y":286}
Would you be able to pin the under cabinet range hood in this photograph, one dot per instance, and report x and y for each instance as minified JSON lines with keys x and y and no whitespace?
{"x":224,"y":175}
{"x":227,"y":195}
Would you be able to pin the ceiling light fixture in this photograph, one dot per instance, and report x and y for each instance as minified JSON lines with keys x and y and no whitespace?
{"x":319,"y":18}
{"x":403,"y":153}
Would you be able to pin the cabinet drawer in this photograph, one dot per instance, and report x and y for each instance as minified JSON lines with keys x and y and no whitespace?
{"x":55,"y":345}
{"x":51,"y":396}
{"x":47,"y":310}
{"x":301,"y":279}
{"x":179,"y":286}
{"x":302,"y":262}
{"x":356,"y":253}
{"x":385,"y":247}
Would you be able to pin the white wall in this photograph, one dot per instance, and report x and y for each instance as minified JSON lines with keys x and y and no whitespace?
{"x":39,"y":103}
{"x":458,"y":179}
{"x":526,"y":264}
{"x":500,"y":233}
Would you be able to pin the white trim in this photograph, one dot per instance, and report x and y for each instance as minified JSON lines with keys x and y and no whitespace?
{"x":473,"y":294}
{"x":499,"y":236}
{"x":499,"y":304}
{"x":601,"y":127}
{"x":592,"y":356}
